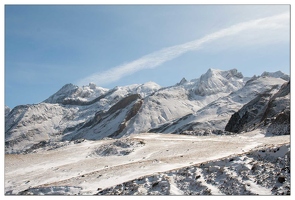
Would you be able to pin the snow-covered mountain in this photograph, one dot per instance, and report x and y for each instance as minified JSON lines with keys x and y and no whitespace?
{"x":269,"y":110}
{"x":277,"y":74}
{"x":92,"y":112}
{"x":214,"y":116}
{"x":7,"y":110}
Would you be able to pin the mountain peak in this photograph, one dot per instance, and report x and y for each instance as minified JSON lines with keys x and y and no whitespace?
{"x":211,"y":72}
{"x":7,"y":110}
{"x":277,"y":74}
{"x":214,"y":81}
{"x":61,"y":94}
{"x":92,"y":85}
{"x":71,"y":91}
{"x":224,"y":73}
{"x":235,"y":73}
{"x":183,"y":81}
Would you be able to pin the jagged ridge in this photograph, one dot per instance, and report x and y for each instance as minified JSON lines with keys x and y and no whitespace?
{"x":92,"y":112}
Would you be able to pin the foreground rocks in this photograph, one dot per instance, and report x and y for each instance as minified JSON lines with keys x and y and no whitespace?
{"x":264,"y":171}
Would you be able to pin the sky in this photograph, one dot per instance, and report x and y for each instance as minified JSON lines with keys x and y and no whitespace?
{"x":48,"y":46}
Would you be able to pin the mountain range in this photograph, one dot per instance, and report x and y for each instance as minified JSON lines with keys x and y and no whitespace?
{"x":218,"y":102}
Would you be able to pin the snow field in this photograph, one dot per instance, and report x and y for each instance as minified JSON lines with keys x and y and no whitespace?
{"x":245,"y":174}
{"x":80,"y":166}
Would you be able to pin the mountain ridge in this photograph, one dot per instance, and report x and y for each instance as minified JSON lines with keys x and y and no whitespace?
{"x":89,"y":111}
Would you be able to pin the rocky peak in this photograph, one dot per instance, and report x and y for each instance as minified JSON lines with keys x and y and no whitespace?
{"x":234,"y":73}
{"x":277,"y":74}
{"x":183,"y":81}
{"x":63,"y":93}
{"x":215,"y":81}
{"x":7,"y":110}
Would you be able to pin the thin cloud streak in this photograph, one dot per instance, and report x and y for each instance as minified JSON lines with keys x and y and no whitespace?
{"x":155,"y":59}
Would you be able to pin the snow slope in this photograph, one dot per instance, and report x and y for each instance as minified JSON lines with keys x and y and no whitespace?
{"x":184,"y":98}
{"x":258,"y":172}
{"x":27,"y":125}
{"x":150,"y":163}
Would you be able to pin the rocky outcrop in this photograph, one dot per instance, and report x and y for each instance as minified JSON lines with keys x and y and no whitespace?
{"x":277,"y":74}
{"x":277,"y":114}
{"x":266,"y":168}
{"x":281,"y":124}
{"x":78,"y":102}
{"x":7,"y":110}
{"x":110,"y":123}
{"x":66,"y":91}
{"x":249,"y":116}
{"x":214,"y":81}
{"x":271,"y":110}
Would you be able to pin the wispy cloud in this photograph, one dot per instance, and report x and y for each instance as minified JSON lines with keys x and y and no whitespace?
{"x":155,"y":59}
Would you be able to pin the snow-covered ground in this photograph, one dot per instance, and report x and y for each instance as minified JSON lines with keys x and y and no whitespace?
{"x":154,"y":164}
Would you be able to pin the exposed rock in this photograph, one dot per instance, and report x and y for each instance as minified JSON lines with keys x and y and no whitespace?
{"x":229,"y":176}
{"x":267,"y":109}
{"x":214,"y":81}
{"x":277,"y":74}
{"x":281,"y":179}
{"x":183,"y":81}
{"x":249,"y":115}
{"x":66,"y":91}
{"x":7,"y":110}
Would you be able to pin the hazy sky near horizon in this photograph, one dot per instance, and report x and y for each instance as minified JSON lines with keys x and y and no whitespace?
{"x":47,"y":47}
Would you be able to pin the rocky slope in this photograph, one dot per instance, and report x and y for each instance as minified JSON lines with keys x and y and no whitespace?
{"x":214,"y":117}
{"x":263,"y":171}
{"x":269,"y":110}
{"x":7,"y":110}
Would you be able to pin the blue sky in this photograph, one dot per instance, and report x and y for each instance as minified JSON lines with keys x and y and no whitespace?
{"x":49,"y":46}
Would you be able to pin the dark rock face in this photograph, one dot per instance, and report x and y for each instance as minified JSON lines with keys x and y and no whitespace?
{"x":281,"y":179}
{"x":133,"y":111}
{"x":265,"y":110}
{"x":278,"y":111}
{"x":281,"y":124}
{"x":123,"y":103}
{"x":99,"y":116}
{"x":278,"y":103}
{"x":249,"y":116}
{"x":232,"y":126}
{"x":122,"y":112}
